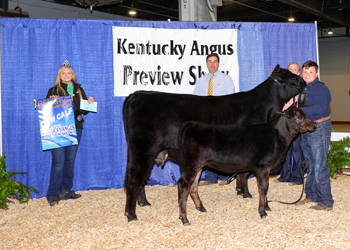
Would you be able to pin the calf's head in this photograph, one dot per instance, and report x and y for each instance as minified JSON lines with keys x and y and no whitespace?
{"x":305,"y":124}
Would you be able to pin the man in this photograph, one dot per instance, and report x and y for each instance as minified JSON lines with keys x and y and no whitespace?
{"x":314,"y":101}
{"x":215,"y":83}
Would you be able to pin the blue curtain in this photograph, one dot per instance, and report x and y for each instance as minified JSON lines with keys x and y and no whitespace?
{"x":32,"y":50}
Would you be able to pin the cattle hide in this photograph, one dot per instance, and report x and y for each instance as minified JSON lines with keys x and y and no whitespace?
{"x":233,"y":149}
{"x":152,"y":121}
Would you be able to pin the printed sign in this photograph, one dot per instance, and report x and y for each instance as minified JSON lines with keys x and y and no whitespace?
{"x":57,"y":123}
{"x":169,"y":60}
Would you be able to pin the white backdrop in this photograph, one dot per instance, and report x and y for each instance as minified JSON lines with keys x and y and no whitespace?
{"x":169,"y":60}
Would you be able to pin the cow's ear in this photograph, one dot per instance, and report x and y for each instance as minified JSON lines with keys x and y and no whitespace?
{"x":277,"y":68}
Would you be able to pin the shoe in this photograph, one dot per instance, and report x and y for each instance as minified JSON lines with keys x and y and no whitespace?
{"x":53,"y":203}
{"x":320,"y":207}
{"x":63,"y":194}
{"x":204,"y":183}
{"x":303,"y":202}
{"x":292,"y":184}
{"x":277,"y":181}
{"x":73,"y":196}
{"x":223,"y":183}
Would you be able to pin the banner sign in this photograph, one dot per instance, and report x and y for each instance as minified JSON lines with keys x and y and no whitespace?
{"x":169,"y":60}
{"x":57,"y":122}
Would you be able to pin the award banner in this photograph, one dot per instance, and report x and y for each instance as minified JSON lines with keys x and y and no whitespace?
{"x":57,"y":123}
{"x":169,"y":60}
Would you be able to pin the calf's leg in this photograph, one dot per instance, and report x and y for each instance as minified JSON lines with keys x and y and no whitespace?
{"x":183,"y":191}
{"x":194,"y":193}
{"x":263,"y":186}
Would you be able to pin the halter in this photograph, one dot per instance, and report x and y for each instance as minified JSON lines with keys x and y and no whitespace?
{"x":273,"y":78}
{"x":292,"y":120}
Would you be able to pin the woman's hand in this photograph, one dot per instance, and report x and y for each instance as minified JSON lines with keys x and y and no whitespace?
{"x":54,"y":96}
{"x":91,"y":100}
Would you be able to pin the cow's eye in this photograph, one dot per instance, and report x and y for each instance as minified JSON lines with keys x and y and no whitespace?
{"x":300,"y":117}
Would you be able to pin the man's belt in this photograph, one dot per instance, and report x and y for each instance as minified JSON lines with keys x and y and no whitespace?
{"x":323,"y":119}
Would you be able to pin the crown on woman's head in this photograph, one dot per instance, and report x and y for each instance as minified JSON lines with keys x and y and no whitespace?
{"x":66,"y":63}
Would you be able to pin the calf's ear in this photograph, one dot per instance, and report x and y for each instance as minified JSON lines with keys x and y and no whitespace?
{"x":290,"y":112}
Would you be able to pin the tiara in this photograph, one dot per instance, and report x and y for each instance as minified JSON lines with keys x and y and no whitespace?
{"x":66,"y":63}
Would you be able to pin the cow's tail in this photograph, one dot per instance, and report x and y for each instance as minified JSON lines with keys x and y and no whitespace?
{"x":126,"y":114}
{"x":127,"y":126}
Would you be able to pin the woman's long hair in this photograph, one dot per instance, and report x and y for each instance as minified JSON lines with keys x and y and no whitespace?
{"x":58,"y":80}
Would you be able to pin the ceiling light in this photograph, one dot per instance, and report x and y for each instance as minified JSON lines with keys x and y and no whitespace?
{"x":131,"y":11}
{"x":330,"y":32}
{"x":340,"y":6}
{"x":291,"y":18}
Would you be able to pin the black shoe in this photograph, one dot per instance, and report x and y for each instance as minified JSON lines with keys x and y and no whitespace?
{"x":53,"y":203}
{"x":75,"y":196}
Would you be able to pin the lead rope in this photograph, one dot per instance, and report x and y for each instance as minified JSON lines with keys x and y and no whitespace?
{"x":304,"y":168}
{"x":291,"y":146}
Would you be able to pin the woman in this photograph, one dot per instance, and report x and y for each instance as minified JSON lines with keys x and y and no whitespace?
{"x":291,"y":172}
{"x":62,"y":168}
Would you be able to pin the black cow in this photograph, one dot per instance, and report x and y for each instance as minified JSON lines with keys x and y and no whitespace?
{"x":152,"y":121}
{"x":232,"y":149}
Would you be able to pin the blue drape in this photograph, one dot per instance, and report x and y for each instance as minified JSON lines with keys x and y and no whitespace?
{"x":32,"y":50}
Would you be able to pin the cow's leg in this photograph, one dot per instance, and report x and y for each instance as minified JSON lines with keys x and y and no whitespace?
{"x":267,"y":208}
{"x":183,"y":188}
{"x":141,"y":199}
{"x":239,"y":178}
{"x":242,"y":185}
{"x":132,"y":190}
{"x":136,"y":176}
{"x":194,"y":193}
{"x":263,"y":185}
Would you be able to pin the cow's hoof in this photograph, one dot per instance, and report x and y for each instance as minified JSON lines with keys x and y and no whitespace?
{"x":239,"y":193}
{"x":201,"y":209}
{"x":263,"y":216}
{"x":131,"y":218}
{"x":247,"y":196}
{"x":185,"y":222}
{"x":268,"y":209}
{"x":144,"y":204}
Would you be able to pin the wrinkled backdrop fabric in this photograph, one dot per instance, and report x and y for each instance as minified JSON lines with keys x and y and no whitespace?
{"x":32,"y":50}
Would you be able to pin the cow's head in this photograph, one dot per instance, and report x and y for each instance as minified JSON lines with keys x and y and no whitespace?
{"x":304,"y":123}
{"x":288,"y":84}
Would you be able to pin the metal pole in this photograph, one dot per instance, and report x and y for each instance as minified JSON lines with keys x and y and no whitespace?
{"x":317,"y":54}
